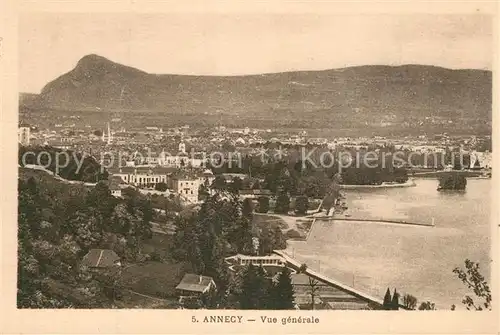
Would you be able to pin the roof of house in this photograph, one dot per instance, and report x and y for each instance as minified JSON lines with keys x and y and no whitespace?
{"x":157,"y":170}
{"x":195,"y":283}
{"x":100,"y":258}
{"x":114,"y":183}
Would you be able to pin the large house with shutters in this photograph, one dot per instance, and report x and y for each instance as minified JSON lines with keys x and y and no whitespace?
{"x":144,"y":177}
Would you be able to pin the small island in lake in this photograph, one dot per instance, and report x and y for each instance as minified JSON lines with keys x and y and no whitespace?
{"x":452,"y":181}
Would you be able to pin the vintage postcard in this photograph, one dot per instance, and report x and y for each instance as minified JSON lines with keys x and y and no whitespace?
{"x":277,"y":167}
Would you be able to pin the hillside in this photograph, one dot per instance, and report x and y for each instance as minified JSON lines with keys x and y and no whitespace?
{"x":350,"y":96}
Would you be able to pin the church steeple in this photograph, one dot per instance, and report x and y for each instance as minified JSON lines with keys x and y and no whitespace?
{"x":109,"y":134}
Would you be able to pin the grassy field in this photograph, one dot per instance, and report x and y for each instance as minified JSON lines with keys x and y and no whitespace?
{"x":266,"y":221}
{"x":155,"y":279}
{"x":159,"y":244}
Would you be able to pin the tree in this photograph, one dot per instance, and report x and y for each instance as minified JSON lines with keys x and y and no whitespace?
{"x":301,"y":205}
{"x":219,"y":183}
{"x":48,"y":275}
{"x":101,"y":199}
{"x":263,"y":204}
{"x":395,"y":300}
{"x":427,"y":306}
{"x":203,"y":192}
{"x":282,"y":203}
{"x":387,"y":300}
{"x":254,"y":288}
{"x":282,"y":293}
{"x":474,"y":280}
{"x":247,"y":209}
{"x":271,"y":238}
{"x":409,"y":301}
{"x":313,"y":289}
{"x":236,"y":185}
{"x":161,"y":186}
{"x":452,"y":181}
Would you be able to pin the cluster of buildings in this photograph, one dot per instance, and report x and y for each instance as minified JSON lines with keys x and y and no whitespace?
{"x":327,"y":295}
{"x":184,"y":183}
{"x":176,"y":157}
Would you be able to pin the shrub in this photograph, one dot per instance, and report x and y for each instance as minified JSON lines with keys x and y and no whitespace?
{"x":301,"y":205}
{"x":263,"y":205}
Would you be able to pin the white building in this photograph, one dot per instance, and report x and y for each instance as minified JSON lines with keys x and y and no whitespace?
{"x":23,"y":135}
{"x":180,"y":160}
{"x":142,"y":177}
{"x":186,"y":186}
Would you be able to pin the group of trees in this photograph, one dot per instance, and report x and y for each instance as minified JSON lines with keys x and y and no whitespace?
{"x":409,"y":302}
{"x":256,"y":290}
{"x":391,"y":302}
{"x":161,"y":186}
{"x":221,"y":228}
{"x":65,"y":163}
{"x":58,"y":226}
{"x":263,"y":204}
{"x":364,"y":175}
{"x":312,"y":177}
{"x":452,"y":181}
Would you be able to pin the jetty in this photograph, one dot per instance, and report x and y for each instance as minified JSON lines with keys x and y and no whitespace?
{"x":401,"y":222}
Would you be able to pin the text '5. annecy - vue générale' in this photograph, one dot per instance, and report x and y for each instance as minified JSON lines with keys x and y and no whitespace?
{"x":280,"y":162}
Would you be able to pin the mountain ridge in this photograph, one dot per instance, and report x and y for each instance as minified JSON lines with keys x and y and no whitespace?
{"x":338,"y":95}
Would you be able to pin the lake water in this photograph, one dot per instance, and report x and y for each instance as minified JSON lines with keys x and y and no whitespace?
{"x":412,"y":259}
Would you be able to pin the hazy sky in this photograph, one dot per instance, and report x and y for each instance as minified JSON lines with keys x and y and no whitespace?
{"x":52,"y":44}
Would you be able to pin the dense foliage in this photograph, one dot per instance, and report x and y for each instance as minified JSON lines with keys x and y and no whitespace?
{"x":452,"y":181}
{"x":475,"y":281}
{"x":263,"y":206}
{"x":222,"y":227}
{"x":301,"y":205}
{"x":58,"y":225}
{"x":65,"y":163}
{"x":258,"y":291}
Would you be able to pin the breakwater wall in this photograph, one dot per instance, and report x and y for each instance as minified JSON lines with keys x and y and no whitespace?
{"x":387,"y":221}
{"x":330,"y":281}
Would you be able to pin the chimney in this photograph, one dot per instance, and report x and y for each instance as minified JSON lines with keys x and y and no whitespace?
{"x":201,"y":278}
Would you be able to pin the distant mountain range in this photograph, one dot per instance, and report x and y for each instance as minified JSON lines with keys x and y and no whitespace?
{"x":348,"y":97}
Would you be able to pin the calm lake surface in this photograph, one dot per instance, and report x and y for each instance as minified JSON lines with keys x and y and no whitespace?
{"x":412,"y":259}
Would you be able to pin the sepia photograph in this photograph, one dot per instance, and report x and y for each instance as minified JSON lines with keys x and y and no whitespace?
{"x":218,"y":161}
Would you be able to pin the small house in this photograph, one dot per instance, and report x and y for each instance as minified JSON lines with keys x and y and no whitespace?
{"x":101,"y":259}
{"x":195,"y":285}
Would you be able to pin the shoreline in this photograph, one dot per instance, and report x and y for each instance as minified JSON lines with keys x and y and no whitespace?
{"x":409,"y":183}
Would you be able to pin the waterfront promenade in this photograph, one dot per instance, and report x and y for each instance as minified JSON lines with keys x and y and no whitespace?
{"x":409,"y":183}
